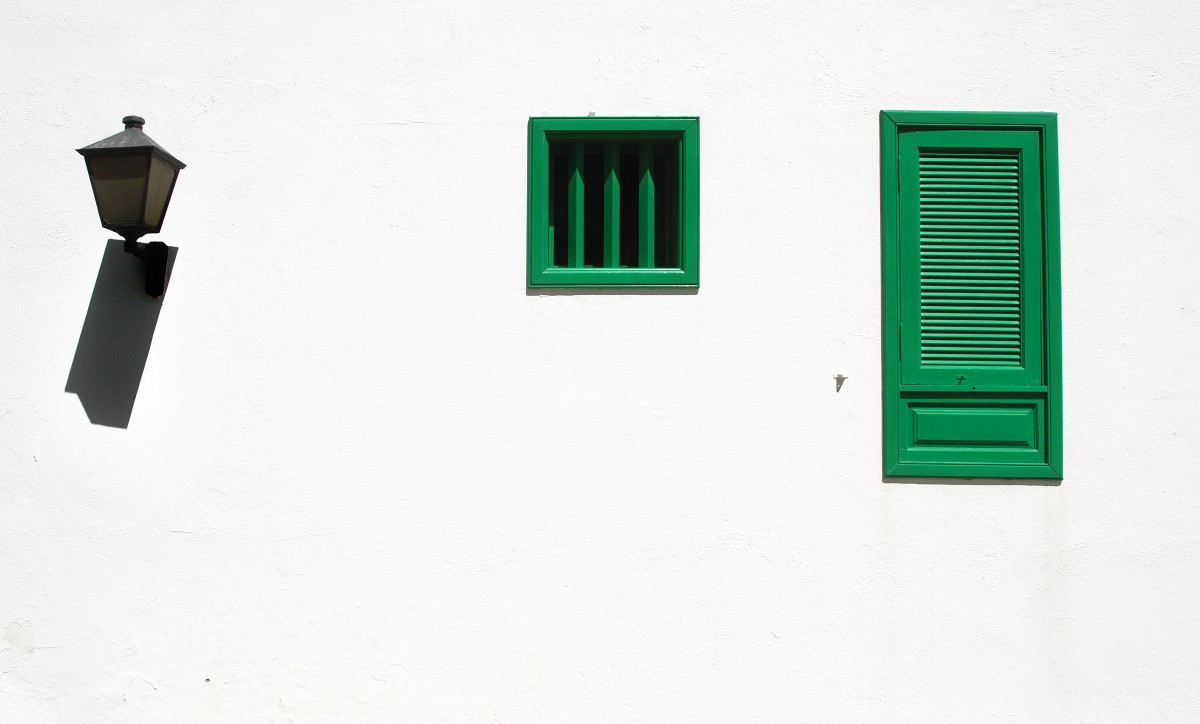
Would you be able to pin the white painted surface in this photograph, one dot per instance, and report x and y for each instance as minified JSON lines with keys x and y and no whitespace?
{"x":369,"y":478}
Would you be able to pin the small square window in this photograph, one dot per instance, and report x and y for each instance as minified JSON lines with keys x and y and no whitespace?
{"x":614,"y":202}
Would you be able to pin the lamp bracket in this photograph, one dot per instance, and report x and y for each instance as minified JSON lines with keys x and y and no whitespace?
{"x":154,"y":259}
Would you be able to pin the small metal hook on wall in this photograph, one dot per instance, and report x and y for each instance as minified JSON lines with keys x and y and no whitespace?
{"x":839,"y":379}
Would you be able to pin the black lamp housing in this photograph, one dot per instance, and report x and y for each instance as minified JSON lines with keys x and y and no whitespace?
{"x":132,"y":179}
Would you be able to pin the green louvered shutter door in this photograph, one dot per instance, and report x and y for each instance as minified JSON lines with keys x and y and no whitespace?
{"x":972,"y":364}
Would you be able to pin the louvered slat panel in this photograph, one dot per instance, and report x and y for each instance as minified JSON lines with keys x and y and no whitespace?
{"x":970,"y":239}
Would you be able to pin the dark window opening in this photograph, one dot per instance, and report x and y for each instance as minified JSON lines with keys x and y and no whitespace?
{"x":558,"y":204}
{"x":664,"y":170}
{"x":629,"y":205}
{"x":593,"y":205}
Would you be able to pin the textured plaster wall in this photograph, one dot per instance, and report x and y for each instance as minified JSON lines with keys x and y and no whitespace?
{"x":368,"y":477}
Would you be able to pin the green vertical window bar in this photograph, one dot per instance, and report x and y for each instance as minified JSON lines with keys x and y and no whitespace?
{"x":612,"y":205}
{"x":646,"y":205}
{"x":575,"y":218}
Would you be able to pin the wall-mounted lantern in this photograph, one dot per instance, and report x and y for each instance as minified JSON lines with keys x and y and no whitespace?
{"x":132,"y":179}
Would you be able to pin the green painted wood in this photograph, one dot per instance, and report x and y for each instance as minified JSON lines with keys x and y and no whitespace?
{"x":540,"y":251}
{"x":683,"y":203}
{"x":1052,"y":297}
{"x":677,"y":208}
{"x":1004,"y":430}
{"x":970,"y":278}
{"x":625,"y":126}
{"x":689,"y":212}
{"x":990,"y":425}
{"x":967,"y":306}
{"x":621,"y":277}
{"x":612,"y":205}
{"x":575,"y":208}
{"x":646,"y":205}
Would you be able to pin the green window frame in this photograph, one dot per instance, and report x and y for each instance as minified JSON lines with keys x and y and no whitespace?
{"x":972,"y":322}
{"x":614,"y":202}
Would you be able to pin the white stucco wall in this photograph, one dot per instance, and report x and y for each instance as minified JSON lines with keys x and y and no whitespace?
{"x":369,"y":478}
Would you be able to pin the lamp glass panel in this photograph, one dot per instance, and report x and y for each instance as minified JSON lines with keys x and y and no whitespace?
{"x":158,"y":191}
{"x":120,"y":185}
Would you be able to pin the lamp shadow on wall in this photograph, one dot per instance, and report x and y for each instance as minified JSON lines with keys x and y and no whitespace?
{"x":115,"y":341}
